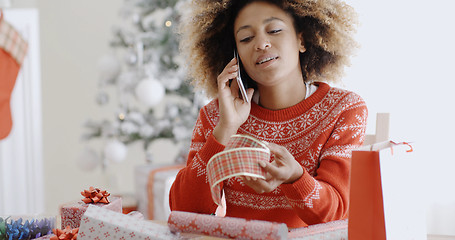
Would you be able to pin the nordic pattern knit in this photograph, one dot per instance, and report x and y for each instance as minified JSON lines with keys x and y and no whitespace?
{"x":320,"y":132}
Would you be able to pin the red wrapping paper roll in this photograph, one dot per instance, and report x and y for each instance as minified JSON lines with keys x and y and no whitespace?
{"x":227,"y":227}
{"x":331,"y":230}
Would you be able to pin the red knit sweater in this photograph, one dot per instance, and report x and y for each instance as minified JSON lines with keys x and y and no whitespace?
{"x":320,"y":132}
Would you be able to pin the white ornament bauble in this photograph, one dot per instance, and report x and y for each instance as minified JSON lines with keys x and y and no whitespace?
{"x":127,"y":78}
{"x":115,"y":151}
{"x":173,"y":111}
{"x":180,"y":132}
{"x":88,"y":159}
{"x":131,"y":57}
{"x":109,"y":67}
{"x":150,"y":92}
{"x":136,"y":117}
{"x":146,"y":131}
{"x":172,"y":82}
{"x":129,"y":127}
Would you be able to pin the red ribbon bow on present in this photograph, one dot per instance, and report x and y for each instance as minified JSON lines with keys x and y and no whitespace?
{"x":95,"y":195}
{"x":67,"y":234}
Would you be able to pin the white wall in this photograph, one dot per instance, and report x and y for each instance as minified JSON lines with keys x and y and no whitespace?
{"x":21,"y":151}
{"x":74,"y":35}
{"x":404,"y":67}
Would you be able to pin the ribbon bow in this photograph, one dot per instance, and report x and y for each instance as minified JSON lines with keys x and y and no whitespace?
{"x":17,"y":230}
{"x":95,"y":195}
{"x":3,"y":228}
{"x":67,"y":234}
{"x":30,"y":229}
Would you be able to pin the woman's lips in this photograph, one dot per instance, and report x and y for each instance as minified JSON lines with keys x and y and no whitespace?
{"x":266,"y":61}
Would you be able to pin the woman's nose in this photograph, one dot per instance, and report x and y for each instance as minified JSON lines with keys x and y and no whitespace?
{"x":262,"y":42}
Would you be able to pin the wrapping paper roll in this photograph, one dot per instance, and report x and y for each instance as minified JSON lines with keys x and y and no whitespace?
{"x":332,"y":230}
{"x":240,"y":158}
{"x":227,"y":227}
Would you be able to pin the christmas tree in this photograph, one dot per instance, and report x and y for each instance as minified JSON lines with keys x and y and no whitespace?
{"x":149,"y":74}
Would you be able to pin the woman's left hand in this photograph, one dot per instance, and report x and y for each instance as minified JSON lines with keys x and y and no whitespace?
{"x":283,"y":169}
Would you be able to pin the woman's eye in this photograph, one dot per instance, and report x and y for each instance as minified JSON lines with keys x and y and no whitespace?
{"x":246,"y":39}
{"x":275,"y":31}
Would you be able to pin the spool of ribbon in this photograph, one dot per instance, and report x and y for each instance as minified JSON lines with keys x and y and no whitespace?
{"x":95,"y":195}
{"x":240,"y":158}
{"x":65,"y":234}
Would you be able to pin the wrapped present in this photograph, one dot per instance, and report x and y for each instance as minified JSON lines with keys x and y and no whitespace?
{"x":335,"y":230}
{"x":226,"y":227}
{"x":71,"y":213}
{"x":152,"y":183}
{"x":100,"y":223}
{"x":26,"y":227}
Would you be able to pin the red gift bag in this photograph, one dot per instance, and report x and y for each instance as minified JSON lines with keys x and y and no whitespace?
{"x":384,"y":200}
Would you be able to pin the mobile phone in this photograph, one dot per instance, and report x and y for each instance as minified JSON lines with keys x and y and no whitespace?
{"x":242,"y":85}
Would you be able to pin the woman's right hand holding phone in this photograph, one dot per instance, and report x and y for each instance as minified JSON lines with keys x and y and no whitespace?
{"x":233,"y":110}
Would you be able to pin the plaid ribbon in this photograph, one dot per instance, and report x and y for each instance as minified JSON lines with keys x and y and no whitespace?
{"x":240,"y":158}
{"x":11,"y":41}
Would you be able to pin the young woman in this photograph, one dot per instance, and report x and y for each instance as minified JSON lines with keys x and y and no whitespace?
{"x":287,"y":49}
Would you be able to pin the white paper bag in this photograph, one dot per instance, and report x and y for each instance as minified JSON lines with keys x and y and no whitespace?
{"x":403,"y":194}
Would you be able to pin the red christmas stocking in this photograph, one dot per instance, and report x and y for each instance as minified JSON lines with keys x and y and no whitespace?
{"x":12,"y":53}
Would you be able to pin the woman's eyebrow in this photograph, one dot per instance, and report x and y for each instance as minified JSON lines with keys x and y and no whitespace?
{"x":270,"y":19}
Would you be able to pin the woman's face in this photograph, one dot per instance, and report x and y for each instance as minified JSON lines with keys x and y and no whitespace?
{"x":268,"y":44}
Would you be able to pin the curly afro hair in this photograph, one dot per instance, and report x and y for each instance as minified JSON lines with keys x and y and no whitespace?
{"x":207,"y":37}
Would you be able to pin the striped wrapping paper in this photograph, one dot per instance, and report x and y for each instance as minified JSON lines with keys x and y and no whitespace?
{"x":11,"y":41}
{"x":226,"y":227}
{"x":240,"y":158}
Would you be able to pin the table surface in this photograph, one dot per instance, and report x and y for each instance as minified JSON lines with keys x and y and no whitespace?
{"x":202,"y":237}
{"x":440,"y":237}
{"x":205,"y":237}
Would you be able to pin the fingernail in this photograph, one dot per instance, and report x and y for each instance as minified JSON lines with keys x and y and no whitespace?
{"x":247,"y":178}
{"x":262,"y":164}
{"x":253,"y":178}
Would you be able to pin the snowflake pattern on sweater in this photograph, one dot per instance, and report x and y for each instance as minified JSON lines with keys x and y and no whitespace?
{"x":320,"y":133}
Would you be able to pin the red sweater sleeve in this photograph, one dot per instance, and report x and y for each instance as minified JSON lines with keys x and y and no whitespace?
{"x":325,"y":196}
{"x":190,"y":191}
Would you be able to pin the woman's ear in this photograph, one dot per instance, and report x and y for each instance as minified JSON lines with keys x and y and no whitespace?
{"x":302,"y":47}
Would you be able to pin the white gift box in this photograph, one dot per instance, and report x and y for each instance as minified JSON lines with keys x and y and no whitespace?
{"x":163,"y":177}
{"x":100,"y":223}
